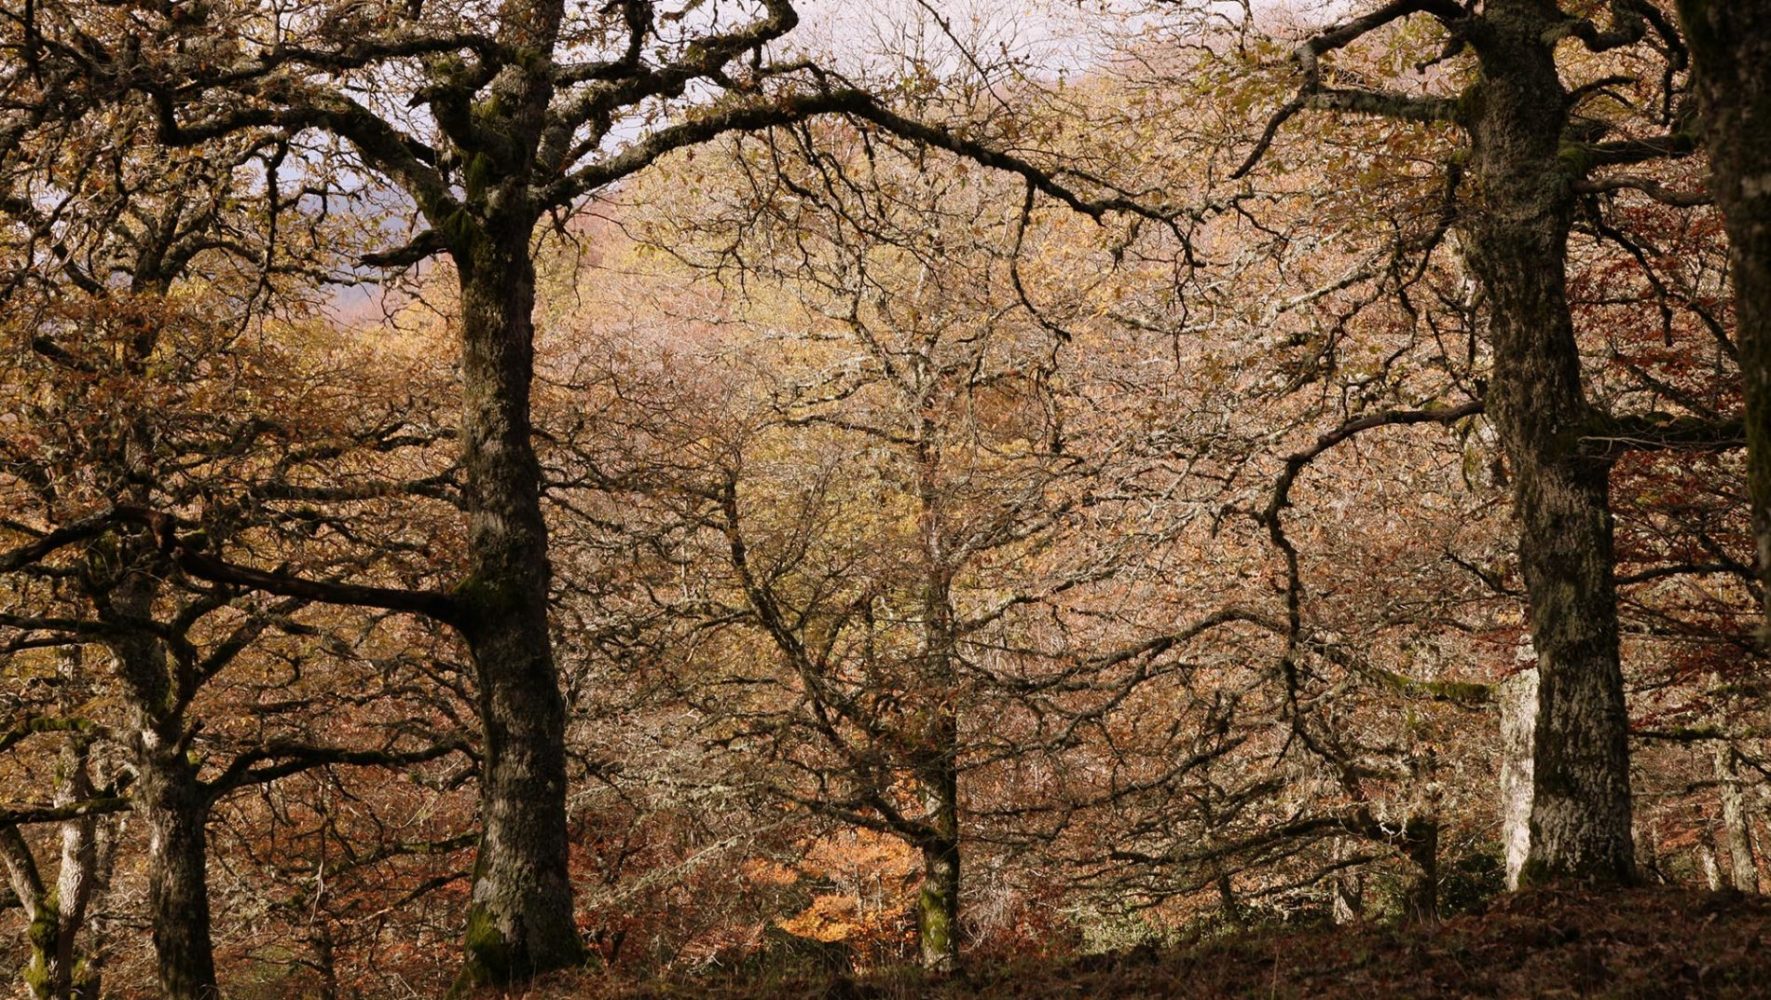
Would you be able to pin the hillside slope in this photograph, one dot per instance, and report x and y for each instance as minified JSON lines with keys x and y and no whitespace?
{"x":1645,"y":943}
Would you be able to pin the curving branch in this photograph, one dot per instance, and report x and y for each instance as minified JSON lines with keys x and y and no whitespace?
{"x":1628,"y":26}
{"x":1646,"y":185}
{"x":755,"y":113}
{"x":48,"y":543}
{"x":1610,"y":437}
{"x":280,"y":760}
{"x":25,"y":815}
{"x":1311,"y":94}
{"x":190,"y":558}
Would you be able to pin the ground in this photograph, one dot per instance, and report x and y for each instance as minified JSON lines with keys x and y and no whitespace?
{"x":1644,"y":943}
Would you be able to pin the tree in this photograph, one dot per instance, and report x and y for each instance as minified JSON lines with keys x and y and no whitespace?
{"x":528,"y":107}
{"x":134,"y":389}
{"x":1534,"y":146}
{"x":67,"y":950}
{"x":932,"y":609}
{"x":116,"y":335}
{"x":951,"y":405}
{"x":1730,"y":45}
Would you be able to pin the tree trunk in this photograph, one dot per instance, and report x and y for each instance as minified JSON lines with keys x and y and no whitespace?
{"x":41,"y":918}
{"x":169,"y":799}
{"x":175,"y":809}
{"x":88,"y":979}
{"x":325,"y":958}
{"x":938,"y":772}
{"x":1228,"y":903}
{"x":1743,"y":870}
{"x":1706,"y":859}
{"x":1516,"y":235}
{"x":56,"y":968}
{"x":520,"y":921}
{"x":1422,"y":848}
{"x":1346,"y":889}
{"x":1730,"y":47}
{"x":78,"y":876}
{"x":937,"y":910}
{"x":937,"y":764}
{"x":1518,"y":729}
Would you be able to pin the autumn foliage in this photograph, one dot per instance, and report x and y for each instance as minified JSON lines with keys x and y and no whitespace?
{"x":689,"y":502}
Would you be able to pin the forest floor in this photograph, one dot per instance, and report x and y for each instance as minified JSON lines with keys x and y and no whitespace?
{"x":1647,"y":943}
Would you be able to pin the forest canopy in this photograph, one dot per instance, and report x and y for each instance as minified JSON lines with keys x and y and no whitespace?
{"x":671,"y":490}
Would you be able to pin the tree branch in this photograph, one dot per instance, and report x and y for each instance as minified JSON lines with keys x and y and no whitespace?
{"x":294,"y":758}
{"x":1311,"y":93}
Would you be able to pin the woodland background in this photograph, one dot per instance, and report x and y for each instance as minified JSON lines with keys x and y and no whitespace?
{"x":977,"y":485}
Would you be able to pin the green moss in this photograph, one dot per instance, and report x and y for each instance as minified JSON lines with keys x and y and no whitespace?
{"x":477,"y":175}
{"x":461,"y":231}
{"x":487,"y":958}
{"x":1461,"y":692}
{"x":1469,"y":103}
{"x":1575,"y":158}
{"x":489,"y":110}
{"x":1535,"y":872}
{"x":42,"y":934}
{"x":486,"y":598}
{"x":1539,"y":873}
{"x":934,"y":924}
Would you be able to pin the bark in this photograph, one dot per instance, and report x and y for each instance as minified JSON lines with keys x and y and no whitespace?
{"x":937,"y":763}
{"x":937,"y":771}
{"x":88,"y":982}
{"x":41,"y":916}
{"x":1347,"y":891}
{"x":1516,"y":235}
{"x":1422,"y":848}
{"x":1227,"y":901}
{"x":1650,"y":869}
{"x":1706,"y":859}
{"x":937,"y":910}
{"x":78,"y":876}
{"x":1518,"y":725}
{"x":1730,"y":45}
{"x":57,"y":968}
{"x":520,"y":919}
{"x":171,"y":802}
{"x":325,"y":959}
{"x":175,"y":810}
{"x":1743,"y":869}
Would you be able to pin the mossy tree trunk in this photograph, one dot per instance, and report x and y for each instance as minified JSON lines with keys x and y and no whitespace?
{"x":56,"y":965}
{"x":81,"y":872}
{"x":520,"y":920}
{"x":42,"y":915}
{"x":62,"y":961}
{"x":1516,"y":233}
{"x":937,"y":905}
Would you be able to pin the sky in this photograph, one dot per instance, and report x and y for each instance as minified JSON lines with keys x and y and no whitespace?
{"x":1044,"y":39}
